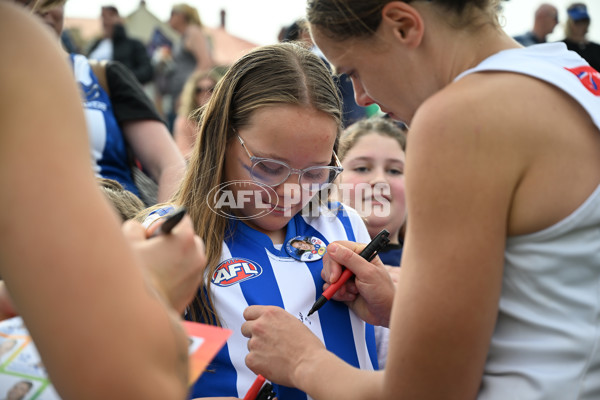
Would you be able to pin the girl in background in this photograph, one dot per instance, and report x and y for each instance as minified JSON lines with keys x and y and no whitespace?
{"x":195,"y":94}
{"x":372,"y":154}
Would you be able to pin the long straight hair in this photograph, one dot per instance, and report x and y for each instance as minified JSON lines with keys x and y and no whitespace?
{"x":278,"y":74}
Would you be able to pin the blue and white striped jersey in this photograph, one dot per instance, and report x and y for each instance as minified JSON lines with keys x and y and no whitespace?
{"x":109,"y":150}
{"x":254,"y":271}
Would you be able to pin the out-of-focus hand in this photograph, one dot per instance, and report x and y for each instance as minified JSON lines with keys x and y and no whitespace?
{"x":279,"y":344}
{"x":371,"y":293}
{"x":174,"y":262}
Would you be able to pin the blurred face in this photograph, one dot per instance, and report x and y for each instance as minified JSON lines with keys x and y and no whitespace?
{"x":299,"y":136}
{"x":177,"y":20}
{"x":109,"y":20}
{"x":374,"y":175}
{"x":549,"y":19}
{"x":203,"y":91}
{"x":18,"y":391}
{"x":54,"y":18}
{"x":580,"y":28}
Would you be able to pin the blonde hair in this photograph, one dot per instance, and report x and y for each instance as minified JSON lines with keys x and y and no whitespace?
{"x":377,"y":125}
{"x":282,"y":73}
{"x":126,"y":203}
{"x":45,"y":5}
{"x":190,"y":13}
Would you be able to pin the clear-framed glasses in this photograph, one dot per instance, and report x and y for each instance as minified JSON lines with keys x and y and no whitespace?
{"x":273,"y":173}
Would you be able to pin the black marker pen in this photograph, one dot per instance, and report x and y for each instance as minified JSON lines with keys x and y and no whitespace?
{"x":368,"y":253}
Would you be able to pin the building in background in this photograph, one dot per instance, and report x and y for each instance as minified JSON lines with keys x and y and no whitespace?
{"x":142,"y":24}
{"x":158,"y":38}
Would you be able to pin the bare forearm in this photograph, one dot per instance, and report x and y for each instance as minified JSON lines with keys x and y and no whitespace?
{"x":169,"y":180}
{"x":154,"y":147}
{"x":326,"y":377}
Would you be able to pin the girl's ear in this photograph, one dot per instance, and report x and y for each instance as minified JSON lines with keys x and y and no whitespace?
{"x":405,"y":21}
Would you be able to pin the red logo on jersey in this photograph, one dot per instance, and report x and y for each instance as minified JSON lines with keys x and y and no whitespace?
{"x":589,"y":77}
{"x":235,"y":270}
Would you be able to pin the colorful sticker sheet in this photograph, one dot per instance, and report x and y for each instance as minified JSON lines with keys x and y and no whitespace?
{"x":23,"y":376}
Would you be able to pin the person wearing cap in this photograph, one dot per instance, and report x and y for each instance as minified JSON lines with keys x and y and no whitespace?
{"x":575,"y":32}
{"x":546,"y":18}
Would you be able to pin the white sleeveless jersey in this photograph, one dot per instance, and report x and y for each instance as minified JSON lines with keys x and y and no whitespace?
{"x":546,"y":344}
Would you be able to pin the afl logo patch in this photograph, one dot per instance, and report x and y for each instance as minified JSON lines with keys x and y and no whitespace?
{"x":589,"y":77}
{"x":235,"y":270}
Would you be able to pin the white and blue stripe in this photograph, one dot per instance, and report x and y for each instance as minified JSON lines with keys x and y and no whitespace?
{"x":293,"y":285}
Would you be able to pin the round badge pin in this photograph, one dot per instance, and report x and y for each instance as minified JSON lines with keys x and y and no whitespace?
{"x":306,"y":248}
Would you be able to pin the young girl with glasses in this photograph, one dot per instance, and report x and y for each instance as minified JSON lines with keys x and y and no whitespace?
{"x":265,"y":148}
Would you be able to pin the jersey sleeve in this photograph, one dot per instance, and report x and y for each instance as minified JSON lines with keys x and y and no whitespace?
{"x":130,"y":102}
{"x":361,"y":234}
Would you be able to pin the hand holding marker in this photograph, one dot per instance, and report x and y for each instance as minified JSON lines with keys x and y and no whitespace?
{"x":368,"y":253}
{"x":171,"y":220}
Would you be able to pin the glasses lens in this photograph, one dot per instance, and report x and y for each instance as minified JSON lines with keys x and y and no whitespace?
{"x":318,"y":178}
{"x":270,"y":172}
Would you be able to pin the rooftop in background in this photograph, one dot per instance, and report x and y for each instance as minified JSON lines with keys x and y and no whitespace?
{"x":141,"y":23}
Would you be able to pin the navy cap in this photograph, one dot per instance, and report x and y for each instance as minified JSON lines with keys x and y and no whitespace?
{"x":577,"y":12}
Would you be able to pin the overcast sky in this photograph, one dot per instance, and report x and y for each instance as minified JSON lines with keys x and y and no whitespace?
{"x":259,"y":21}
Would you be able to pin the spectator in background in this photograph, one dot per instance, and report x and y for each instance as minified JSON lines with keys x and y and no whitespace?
{"x":195,"y":94}
{"x":576,"y":29}
{"x":122,"y":120}
{"x":372,"y":154}
{"x":191,"y":53}
{"x":116,"y":45}
{"x":546,"y":18}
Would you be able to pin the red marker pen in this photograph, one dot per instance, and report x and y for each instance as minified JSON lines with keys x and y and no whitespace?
{"x":368,"y":253}
{"x":255,"y":388}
